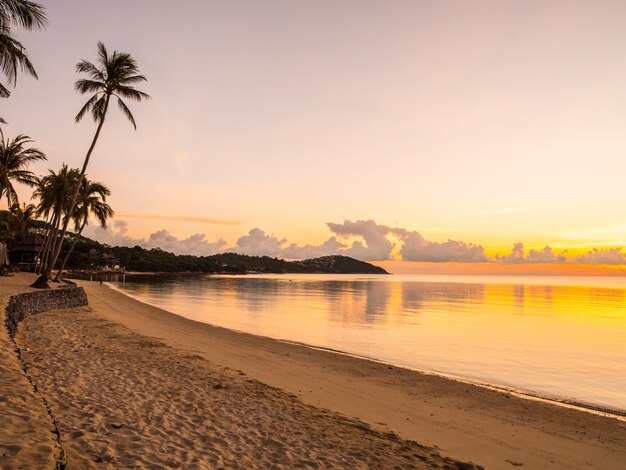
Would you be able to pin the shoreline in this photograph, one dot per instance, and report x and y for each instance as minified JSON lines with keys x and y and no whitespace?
{"x":459,"y":420}
{"x":592,"y":408}
{"x":526,"y":395}
{"x":463,"y":421}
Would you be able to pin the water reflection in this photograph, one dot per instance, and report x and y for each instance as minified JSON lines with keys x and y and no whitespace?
{"x":563,"y":340}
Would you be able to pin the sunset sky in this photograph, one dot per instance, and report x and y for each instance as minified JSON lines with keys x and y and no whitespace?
{"x":486,"y":122}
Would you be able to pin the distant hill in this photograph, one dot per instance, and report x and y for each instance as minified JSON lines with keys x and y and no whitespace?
{"x":139,"y":259}
{"x":340,"y":264}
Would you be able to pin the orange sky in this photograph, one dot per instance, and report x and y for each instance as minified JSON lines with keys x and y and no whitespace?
{"x":485,"y":122}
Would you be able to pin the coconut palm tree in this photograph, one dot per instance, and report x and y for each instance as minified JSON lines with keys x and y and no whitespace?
{"x":15,"y":156}
{"x":54,"y":192}
{"x":91,"y":201}
{"x":13,"y":57}
{"x":23,"y":217}
{"x":113,"y":76}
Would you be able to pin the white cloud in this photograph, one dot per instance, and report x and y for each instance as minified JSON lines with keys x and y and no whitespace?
{"x":518,"y":256}
{"x":376,"y":247}
{"x":369,"y":242}
{"x":372,"y":243}
{"x":196,"y":244}
{"x":258,"y":243}
{"x":330,"y":247}
{"x":416,"y":248}
{"x":603,"y":256}
{"x":117,"y":235}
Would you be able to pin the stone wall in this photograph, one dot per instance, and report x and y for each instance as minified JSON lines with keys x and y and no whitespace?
{"x":29,"y":303}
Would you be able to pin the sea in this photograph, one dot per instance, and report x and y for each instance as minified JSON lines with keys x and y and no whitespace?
{"x":557,"y":337}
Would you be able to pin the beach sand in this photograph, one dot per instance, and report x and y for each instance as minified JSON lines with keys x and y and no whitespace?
{"x":130,"y":384}
{"x":27,"y":438}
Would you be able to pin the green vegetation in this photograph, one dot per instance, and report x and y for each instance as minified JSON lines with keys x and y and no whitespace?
{"x":13,"y":56}
{"x":15,"y":156}
{"x":113,"y":76}
{"x":91,"y":201}
{"x":85,"y":256}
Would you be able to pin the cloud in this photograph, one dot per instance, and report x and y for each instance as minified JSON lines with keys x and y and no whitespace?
{"x":372,"y":244}
{"x":361,"y":239}
{"x":196,"y":244}
{"x":258,"y":243}
{"x":545,"y":256}
{"x":330,"y":247}
{"x":204,"y":220}
{"x":416,"y":248}
{"x":602,"y":256}
{"x":117,"y":235}
{"x":376,"y":247}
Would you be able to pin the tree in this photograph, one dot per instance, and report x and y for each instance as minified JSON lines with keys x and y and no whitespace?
{"x":54,"y":192}
{"x":13,"y":57}
{"x":15,"y":156}
{"x":113,"y":76}
{"x":91,"y":201}
{"x":23,"y":217}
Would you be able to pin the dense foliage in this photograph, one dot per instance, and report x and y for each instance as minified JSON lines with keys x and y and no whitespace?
{"x":140,"y":259}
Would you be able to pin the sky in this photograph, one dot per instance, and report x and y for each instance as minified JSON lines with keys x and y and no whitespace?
{"x":317,"y":127}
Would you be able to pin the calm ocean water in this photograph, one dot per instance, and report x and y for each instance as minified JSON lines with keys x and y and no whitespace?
{"x":559,"y":337}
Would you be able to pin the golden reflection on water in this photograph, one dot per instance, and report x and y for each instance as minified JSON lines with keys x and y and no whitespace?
{"x":555,"y":339}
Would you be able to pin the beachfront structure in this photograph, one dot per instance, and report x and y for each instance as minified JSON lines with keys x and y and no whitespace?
{"x":26,"y":253}
{"x":104,"y":260}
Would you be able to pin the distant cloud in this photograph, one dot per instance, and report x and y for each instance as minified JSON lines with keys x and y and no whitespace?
{"x":330,"y":247}
{"x":416,"y":248}
{"x":372,"y":243}
{"x":258,"y":243}
{"x":376,"y":247}
{"x":362,"y":239}
{"x":546,"y":256}
{"x":603,"y":256}
{"x":178,"y":218}
{"x":117,"y":235}
{"x":196,"y":244}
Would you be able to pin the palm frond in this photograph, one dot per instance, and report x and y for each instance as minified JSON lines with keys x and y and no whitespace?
{"x":131,"y":93}
{"x":23,"y":13}
{"x":126,"y":112}
{"x":86,"y":108}
{"x":89,"y":86}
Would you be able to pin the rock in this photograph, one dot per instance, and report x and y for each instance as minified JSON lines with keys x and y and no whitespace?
{"x":22,"y":305}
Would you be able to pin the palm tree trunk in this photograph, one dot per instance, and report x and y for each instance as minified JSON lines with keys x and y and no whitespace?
{"x":54,"y":229}
{"x":69,"y":252}
{"x":47,"y":229}
{"x":42,"y":281}
{"x":68,"y":216}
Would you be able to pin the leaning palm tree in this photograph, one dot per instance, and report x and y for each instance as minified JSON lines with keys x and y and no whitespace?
{"x":91,"y":201}
{"x":15,"y":156}
{"x":113,"y":76}
{"x":13,"y":56}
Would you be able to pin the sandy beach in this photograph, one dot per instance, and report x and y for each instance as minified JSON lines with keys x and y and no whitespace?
{"x":132,"y":386}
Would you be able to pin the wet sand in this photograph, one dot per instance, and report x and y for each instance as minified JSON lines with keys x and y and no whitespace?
{"x":123,"y":370}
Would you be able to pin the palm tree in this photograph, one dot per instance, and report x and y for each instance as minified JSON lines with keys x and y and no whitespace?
{"x":13,"y":57}
{"x":15,"y":156}
{"x":113,"y":76}
{"x":23,"y":217}
{"x":91,"y":201}
{"x":53,"y":192}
